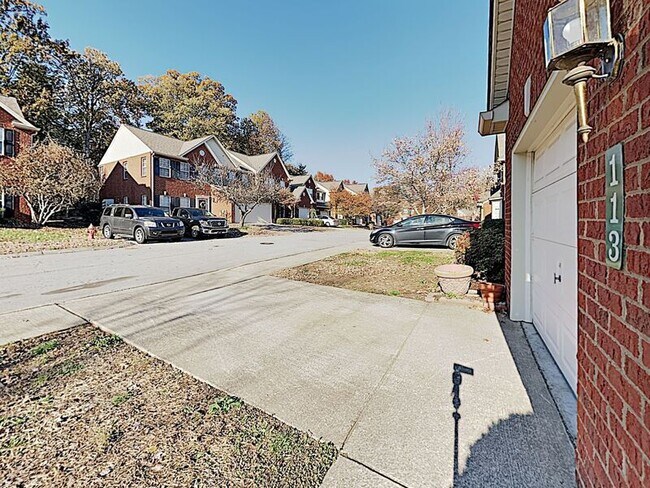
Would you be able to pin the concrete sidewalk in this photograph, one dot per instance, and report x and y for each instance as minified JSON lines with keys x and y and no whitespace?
{"x":370,"y":373}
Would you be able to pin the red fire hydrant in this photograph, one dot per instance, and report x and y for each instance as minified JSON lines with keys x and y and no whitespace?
{"x":92,"y":230}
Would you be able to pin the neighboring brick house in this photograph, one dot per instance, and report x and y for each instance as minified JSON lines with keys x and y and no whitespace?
{"x":16,"y":134}
{"x":305,"y":190}
{"x":145,"y":168}
{"x":594,"y":318}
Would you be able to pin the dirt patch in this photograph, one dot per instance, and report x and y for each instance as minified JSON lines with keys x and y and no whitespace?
{"x":83,"y":408}
{"x":402,"y":273}
{"x":17,"y":241}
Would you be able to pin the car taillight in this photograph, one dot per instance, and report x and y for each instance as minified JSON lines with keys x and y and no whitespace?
{"x":476,"y":225}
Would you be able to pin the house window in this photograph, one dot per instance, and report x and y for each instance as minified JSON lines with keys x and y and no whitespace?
{"x":143,"y":166}
{"x":185,"y":202}
{"x":125,"y":170}
{"x":165,"y":202}
{"x":144,"y":200}
{"x":126,"y":199}
{"x":165,"y":168}
{"x":496,"y":209}
{"x":184,"y":173}
{"x":7,"y":142}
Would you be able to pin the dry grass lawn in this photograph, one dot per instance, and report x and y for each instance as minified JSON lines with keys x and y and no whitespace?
{"x":83,"y":408}
{"x":15,"y":241}
{"x":404,"y":273}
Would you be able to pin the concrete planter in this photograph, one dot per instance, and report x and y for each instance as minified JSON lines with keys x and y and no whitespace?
{"x":454,"y":278}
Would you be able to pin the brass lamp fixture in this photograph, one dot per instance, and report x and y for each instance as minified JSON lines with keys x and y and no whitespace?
{"x":576,"y":32}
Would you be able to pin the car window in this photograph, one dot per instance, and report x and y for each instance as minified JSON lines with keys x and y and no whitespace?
{"x":149,"y":212}
{"x":119,"y":212}
{"x":108,"y":210}
{"x":413,"y":221}
{"x":128,"y":213}
{"x":184,"y":214}
{"x":437,"y":220}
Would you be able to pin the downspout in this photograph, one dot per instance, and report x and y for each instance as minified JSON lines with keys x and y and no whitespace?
{"x":152,"y":175}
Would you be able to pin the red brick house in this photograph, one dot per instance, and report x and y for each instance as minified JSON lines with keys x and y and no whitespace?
{"x":16,"y":134}
{"x":305,"y":191}
{"x":142,"y":167}
{"x":585,"y":287}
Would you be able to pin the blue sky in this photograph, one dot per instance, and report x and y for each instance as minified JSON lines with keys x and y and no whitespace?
{"x":340,"y":78}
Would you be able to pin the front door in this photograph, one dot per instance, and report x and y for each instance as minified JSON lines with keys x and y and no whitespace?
{"x":411,"y":230}
{"x":203,"y":203}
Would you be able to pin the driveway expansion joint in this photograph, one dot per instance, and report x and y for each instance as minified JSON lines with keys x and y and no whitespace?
{"x":373,"y":470}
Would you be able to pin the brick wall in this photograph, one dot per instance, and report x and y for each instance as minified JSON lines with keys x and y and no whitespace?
{"x":613,"y":442}
{"x":614,"y":306}
{"x":23,"y":140}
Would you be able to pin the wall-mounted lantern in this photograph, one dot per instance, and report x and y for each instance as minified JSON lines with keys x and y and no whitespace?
{"x":576,"y":32}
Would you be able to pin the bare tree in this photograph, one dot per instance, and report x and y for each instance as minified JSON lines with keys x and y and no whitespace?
{"x":244,"y":189}
{"x":425,"y":168}
{"x":50,"y":178}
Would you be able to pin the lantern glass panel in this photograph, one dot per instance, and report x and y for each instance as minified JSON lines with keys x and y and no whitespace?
{"x":598,"y":21}
{"x":566,"y":27}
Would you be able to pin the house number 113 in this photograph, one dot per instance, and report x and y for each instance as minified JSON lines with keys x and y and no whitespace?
{"x":615,"y":206}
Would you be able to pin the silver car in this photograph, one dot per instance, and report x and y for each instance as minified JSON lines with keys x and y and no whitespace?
{"x":140,"y":223}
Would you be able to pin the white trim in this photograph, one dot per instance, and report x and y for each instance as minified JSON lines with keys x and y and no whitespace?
{"x":554,"y":105}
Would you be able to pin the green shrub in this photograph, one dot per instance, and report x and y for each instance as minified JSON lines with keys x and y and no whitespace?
{"x":486,"y":251}
{"x":296,"y":221}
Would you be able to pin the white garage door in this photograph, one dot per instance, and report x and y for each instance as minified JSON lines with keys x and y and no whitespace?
{"x":554,"y":245}
{"x":262,"y":213}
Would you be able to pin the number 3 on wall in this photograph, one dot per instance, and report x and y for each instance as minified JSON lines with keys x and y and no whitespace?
{"x":615,"y":206}
{"x":614,"y":253}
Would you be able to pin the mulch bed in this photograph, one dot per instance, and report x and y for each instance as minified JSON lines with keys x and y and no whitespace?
{"x":402,"y":273}
{"x":83,"y":408}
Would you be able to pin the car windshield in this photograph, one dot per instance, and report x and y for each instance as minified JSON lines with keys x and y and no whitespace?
{"x":149,"y":212}
{"x":198,"y":212}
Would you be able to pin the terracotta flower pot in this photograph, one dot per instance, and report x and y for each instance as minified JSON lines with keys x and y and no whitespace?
{"x":491,"y":293}
{"x":454,"y":278}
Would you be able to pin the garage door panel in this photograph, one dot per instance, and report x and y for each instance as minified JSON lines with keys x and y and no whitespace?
{"x":554,"y":249}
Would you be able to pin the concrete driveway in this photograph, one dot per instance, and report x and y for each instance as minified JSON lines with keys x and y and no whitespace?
{"x":370,"y":373}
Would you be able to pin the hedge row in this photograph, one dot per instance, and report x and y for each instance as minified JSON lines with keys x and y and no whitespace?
{"x":308,"y":222}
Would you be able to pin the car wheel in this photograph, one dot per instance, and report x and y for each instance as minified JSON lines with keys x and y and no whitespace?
{"x":452,"y":241}
{"x":386,"y":241}
{"x":195,"y":232}
{"x":108,"y":233}
{"x":139,"y":235}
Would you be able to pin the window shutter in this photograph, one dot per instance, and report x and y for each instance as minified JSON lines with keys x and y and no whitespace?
{"x":9,"y":142}
{"x":156,"y":169}
{"x":2,"y":141}
{"x":156,"y":200}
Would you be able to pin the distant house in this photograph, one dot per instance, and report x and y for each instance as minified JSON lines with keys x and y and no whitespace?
{"x":323,"y":191}
{"x":356,"y":188}
{"x":16,"y":134}
{"x":305,"y":190}
{"x":143,"y":167}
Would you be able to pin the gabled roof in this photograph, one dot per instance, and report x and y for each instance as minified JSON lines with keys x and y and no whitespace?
{"x":356,"y":187}
{"x":298,"y":191}
{"x":300,"y":179}
{"x":255,"y":163}
{"x":158,"y":143}
{"x":329,"y":185}
{"x":10,"y":105}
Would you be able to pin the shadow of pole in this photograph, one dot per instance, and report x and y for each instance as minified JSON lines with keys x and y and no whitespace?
{"x":457,"y":379}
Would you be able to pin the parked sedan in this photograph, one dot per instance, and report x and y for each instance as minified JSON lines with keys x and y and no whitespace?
{"x":328,"y":221}
{"x":440,"y":230}
{"x":199,"y":222}
{"x":140,"y":223}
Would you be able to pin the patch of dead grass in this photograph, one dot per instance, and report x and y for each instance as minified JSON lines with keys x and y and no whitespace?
{"x":403,"y":273}
{"x":83,"y":408}
{"x":17,"y":241}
